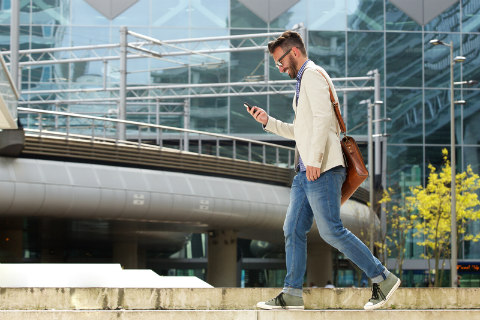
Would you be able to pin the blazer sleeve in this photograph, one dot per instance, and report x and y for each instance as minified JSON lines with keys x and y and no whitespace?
{"x":317,"y":94}
{"x":280,"y":128}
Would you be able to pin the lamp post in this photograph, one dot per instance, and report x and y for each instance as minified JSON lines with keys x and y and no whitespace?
{"x":453,"y":226}
{"x":370,"y":107}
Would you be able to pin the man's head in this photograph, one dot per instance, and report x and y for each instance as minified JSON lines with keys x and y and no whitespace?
{"x":289,"y":52}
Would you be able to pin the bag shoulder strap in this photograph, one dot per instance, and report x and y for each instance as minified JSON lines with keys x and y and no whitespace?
{"x":343,"y":129}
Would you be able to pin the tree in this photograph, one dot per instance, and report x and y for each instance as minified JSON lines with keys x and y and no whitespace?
{"x":401,"y":221}
{"x":433,"y":205}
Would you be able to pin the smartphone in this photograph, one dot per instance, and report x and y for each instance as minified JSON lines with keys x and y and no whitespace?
{"x":248,"y":105}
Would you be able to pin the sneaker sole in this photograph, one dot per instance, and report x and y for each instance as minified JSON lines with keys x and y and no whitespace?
{"x":380,"y":304}
{"x":262,"y":305}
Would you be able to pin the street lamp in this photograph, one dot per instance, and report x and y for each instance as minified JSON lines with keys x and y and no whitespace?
{"x":453,"y":226}
{"x":370,"y":106}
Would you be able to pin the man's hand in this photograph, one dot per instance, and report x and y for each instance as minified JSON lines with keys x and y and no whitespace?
{"x":312,"y":173}
{"x":259,"y":114}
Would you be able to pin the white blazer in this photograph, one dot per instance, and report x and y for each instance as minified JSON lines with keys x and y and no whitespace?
{"x":315,"y":128}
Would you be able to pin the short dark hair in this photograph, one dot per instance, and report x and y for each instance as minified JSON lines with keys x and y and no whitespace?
{"x":287,"y":40}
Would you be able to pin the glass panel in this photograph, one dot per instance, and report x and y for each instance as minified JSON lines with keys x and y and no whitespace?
{"x":138,"y":14}
{"x":210,"y":114}
{"x":437,"y":60}
{"x":471,"y":16}
{"x":170,"y":14}
{"x":434,"y":156}
{"x":327,"y":49}
{"x":404,"y":107}
{"x":281,"y":107}
{"x":291,"y":17}
{"x":405,"y":166}
{"x":404,"y":59}
{"x":240,"y":120}
{"x":326,"y":15}
{"x":471,"y":66}
{"x":448,"y":20}
{"x":86,"y":15}
{"x":242,"y":17}
{"x":85,"y":36}
{"x":365,"y":53}
{"x":365,"y":14}
{"x":471,"y":119}
{"x":396,"y":19}
{"x":248,"y":65}
{"x":208,"y":13}
{"x":356,"y":119}
{"x":437,"y":117}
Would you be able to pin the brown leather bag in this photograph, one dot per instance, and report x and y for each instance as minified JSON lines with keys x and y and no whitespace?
{"x":356,"y":170}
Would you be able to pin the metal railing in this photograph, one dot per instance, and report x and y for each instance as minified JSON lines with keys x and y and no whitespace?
{"x":8,"y":98}
{"x":67,"y":125}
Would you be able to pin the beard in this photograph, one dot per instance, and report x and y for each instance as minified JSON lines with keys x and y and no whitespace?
{"x":292,"y":69}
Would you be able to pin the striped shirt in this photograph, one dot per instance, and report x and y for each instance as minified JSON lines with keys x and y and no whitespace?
{"x":301,"y":165}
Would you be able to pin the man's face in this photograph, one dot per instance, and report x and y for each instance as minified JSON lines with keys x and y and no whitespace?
{"x":285,"y":61}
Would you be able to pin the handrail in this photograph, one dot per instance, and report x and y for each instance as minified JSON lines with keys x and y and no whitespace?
{"x":183,"y":134}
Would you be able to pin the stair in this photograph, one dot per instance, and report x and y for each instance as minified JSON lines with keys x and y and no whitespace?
{"x":231,"y":303}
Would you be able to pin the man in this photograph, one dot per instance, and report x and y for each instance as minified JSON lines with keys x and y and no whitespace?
{"x":316,"y":188}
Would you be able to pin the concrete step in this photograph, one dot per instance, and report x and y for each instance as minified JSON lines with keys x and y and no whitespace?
{"x":241,"y":315}
{"x":226,"y":298}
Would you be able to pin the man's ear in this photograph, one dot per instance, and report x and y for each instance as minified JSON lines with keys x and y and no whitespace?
{"x":295,"y":51}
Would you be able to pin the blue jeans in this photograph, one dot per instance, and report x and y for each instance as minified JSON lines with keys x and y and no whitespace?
{"x":320,"y":199}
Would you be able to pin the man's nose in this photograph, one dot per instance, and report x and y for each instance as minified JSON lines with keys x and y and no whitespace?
{"x":281,"y":68}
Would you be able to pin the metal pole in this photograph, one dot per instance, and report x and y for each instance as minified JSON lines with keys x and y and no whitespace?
{"x":378,"y":164}
{"x":122,"y":107}
{"x":453,"y":262}
{"x":371,"y":177}
{"x":14,"y":41}
{"x":186,"y":123}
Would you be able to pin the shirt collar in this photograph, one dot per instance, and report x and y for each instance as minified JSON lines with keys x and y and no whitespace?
{"x":300,"y":72}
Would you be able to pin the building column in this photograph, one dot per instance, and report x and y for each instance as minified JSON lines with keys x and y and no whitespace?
{"x":11,"y":240}
{"x":125,"y":244}
{"x":319,"y":264}
{"x":222,"y":258}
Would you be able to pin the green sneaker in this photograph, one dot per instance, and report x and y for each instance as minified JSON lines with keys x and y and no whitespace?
{"x":283,"y":301}
{"x":382,"y":291}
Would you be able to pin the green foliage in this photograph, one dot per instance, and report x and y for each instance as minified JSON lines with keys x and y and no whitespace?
{"x":400,"y":220}
{"x":433,"y":206}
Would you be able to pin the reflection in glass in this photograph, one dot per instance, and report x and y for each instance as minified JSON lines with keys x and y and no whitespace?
{"x":471,"y":50}
{"x":356,"y":119}
{"x":240,"y":120}
{"x":396,"y":19}
{"x":471,"y":119}
{"x":327,"y":49}
{"x":404,"y":107}
{"x":404,"y":59}
{"x":209,"y":114}
{"x":471,"y":16}
{"x":326,"y":15}
{"x":437,"y":60}
{"x":242,"y":17}
{"x":365,"y":53}
{"x":437,"y":117}
{"x":448,"y":20}
{"x":405,"y":167}
{"x":365,"y":14}
{"x":294,"y":15}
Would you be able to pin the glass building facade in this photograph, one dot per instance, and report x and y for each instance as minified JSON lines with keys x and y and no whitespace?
{"x":348,"y":38}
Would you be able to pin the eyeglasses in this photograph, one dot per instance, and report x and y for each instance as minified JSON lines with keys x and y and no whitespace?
{"x":279,"y":61}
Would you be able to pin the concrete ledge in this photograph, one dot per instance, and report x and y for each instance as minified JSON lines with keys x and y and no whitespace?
{"x":242,"y":315}
{"x":225,"y":298}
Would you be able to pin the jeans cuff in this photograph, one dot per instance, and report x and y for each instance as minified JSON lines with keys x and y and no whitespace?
{"x":382,"y":276}
{"x":293,"y":291}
